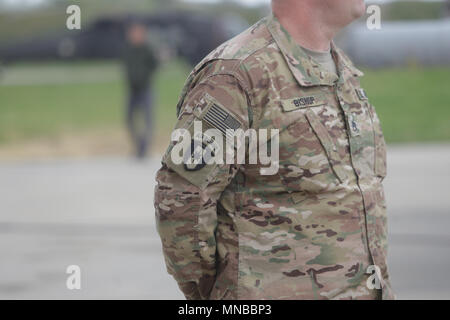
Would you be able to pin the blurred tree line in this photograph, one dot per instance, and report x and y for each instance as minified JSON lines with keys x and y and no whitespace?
{"x":415,"y":10}
{"x":49,"y":16}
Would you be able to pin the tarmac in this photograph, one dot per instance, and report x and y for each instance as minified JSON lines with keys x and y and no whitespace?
{"x":97,"y":213}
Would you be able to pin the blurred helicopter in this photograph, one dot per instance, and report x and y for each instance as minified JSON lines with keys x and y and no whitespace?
{"x":188,"y":35}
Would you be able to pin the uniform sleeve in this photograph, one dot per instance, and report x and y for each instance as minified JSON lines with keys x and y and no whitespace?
{"x":186,"y":196}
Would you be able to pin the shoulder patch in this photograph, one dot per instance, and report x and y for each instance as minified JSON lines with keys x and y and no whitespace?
{"x":202,"y":150}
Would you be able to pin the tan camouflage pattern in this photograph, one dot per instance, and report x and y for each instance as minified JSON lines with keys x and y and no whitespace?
{"x":311,"y":230}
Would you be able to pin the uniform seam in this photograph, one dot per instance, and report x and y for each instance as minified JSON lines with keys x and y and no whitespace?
{"x":238,"y":209}
{"x":263,"y":47}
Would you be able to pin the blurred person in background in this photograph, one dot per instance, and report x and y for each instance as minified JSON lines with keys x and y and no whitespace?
{"x":140,"y":61}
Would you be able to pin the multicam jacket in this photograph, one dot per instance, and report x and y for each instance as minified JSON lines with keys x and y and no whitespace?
{"x":311,"y":230}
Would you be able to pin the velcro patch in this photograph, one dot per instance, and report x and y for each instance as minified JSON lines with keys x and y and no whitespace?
{"x":199,"y":166}
{"x":221,"y":119}
{"x":361,"y":94}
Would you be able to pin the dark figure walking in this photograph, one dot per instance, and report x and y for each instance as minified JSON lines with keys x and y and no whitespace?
{"x":140,"y":63}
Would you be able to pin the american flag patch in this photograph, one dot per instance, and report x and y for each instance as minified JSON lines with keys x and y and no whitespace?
{"x":221,"y":119}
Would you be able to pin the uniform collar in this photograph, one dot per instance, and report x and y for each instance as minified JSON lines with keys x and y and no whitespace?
{"x":305,"y":69}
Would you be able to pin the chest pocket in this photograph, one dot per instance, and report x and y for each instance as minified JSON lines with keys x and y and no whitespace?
{"x":309,"y":155}
{"x":367,"y":140}
{"x":380,"y":167}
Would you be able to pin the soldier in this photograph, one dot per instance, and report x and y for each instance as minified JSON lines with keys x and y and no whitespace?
{"x":140,"y":63}
{"x":316,"y":229}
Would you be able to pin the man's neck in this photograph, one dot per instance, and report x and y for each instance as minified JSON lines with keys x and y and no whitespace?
{"x":306,"y":26}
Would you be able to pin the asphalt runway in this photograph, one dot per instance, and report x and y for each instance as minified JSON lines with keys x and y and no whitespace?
{"x":98,"y":214}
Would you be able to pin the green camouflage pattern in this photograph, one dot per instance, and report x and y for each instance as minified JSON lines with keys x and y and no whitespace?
{"x":311,"y":230}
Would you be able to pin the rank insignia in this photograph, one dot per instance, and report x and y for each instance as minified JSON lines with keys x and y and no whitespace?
{"x":361,"y":94}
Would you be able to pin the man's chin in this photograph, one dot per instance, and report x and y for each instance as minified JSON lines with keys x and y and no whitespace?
{"x":359,"y":10}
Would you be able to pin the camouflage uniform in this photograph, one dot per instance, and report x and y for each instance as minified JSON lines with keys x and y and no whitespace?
{"x":311,"y":230}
